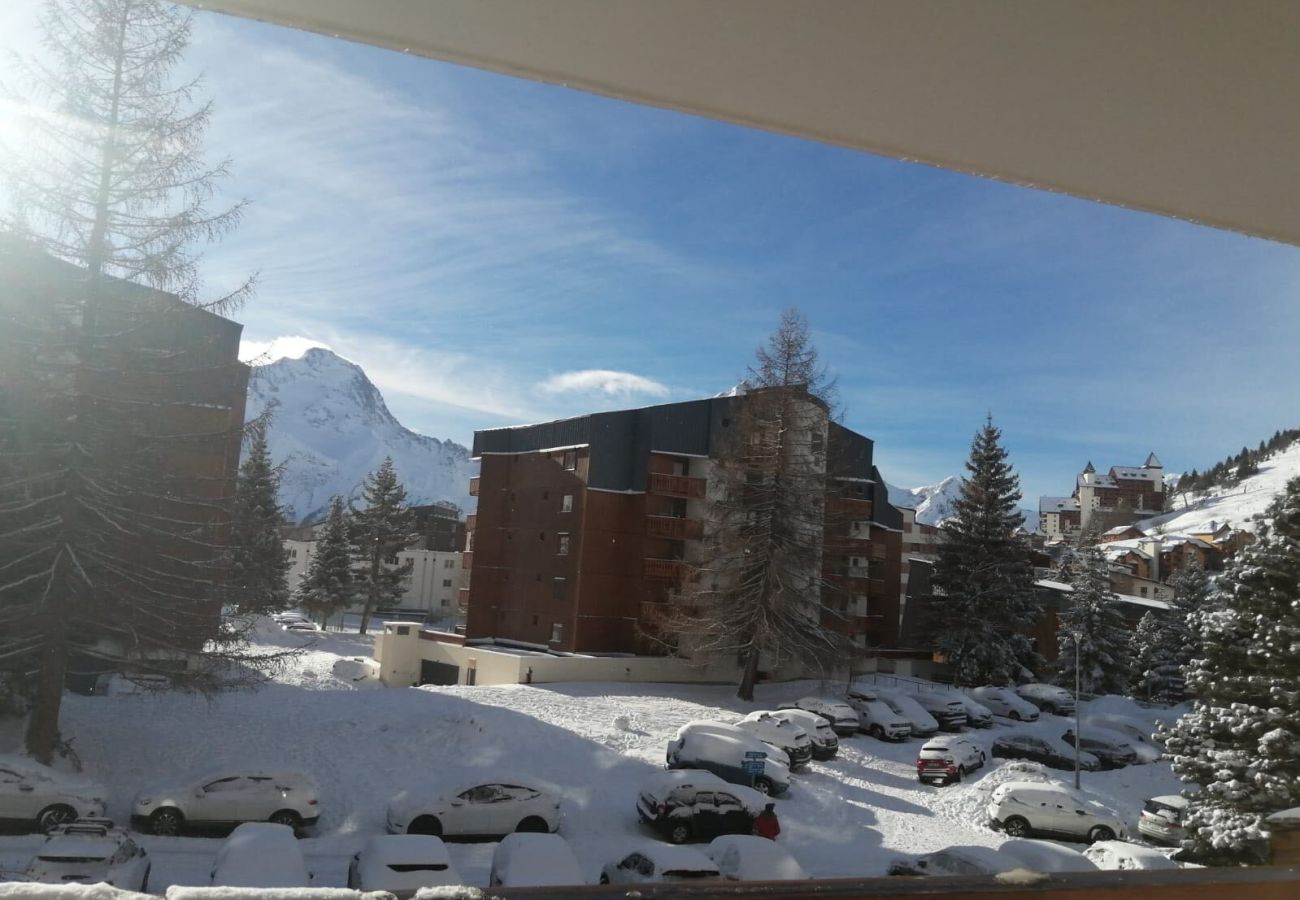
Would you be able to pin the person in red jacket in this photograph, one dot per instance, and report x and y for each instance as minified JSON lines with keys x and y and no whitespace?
{"x":766,"y":823}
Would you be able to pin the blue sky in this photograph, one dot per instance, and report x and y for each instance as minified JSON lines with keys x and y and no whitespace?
{"x":495,"y":251}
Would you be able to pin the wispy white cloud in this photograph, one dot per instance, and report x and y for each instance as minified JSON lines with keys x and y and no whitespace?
{"x":606,"y":382}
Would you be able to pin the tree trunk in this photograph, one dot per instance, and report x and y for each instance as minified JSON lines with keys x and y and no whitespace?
{"x":749,"y":676}
{"x":371,"y":590}
{"x":43,"y":724}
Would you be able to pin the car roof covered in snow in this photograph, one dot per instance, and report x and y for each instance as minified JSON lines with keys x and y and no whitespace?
{"x":260,"y":855}
{"x":1141,"y":857}
{"x":985,"y":856}
{"x":660,"y":784}
{"x":747,"y":857}
{"x":1174,"y":800}
{"x":1045,"y":856}
{"x":805,"y":719}
{"x":401,"y":849}
{"x":536,"y":860}
{"x":824,"y":701}
{"x":66,"y":846}
{"x":282,"y":778}
{"x":668,"y":857}
{"x":30,"y":768}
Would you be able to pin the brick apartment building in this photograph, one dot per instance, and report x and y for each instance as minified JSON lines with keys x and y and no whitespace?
{"x":1121,"y":496}
{"x":587,"y":529}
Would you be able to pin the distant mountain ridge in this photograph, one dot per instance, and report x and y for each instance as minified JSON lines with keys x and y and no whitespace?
{"x":934,"y":503}
{"x":330,"y":428}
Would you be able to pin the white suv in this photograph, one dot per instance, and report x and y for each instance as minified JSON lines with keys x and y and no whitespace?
{"x":948,"y":759}
{"x":1024,"y":808}
{"x":1006,"y":702}
{"x":780,"y":731}
{"x":285,"y":798}
{"x":842,"y":716}
{"x":90,"y":851}
{"x":33,"y":794}
{"x":877,"y":718}
{"x":1049,"y":698}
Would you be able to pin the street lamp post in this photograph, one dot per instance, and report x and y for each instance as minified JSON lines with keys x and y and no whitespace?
{"x":1078,"y":736}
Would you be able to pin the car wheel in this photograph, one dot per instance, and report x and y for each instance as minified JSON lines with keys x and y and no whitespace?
{"x":1014,"y":715}
{"x":983,"y":759}
{"x":1049,"y":708}
{"x":959,"y":776}
{"x":763,"y":785}
{"x":1100,"y":833}
{"x":1016,"y":827}
{"x":876,"y":732}
{"x":166,"y":821}
{"x":425,"y":825}
{"x":52,"y":817}
{"x":604,"y":879}
{"x":679,"y":833}
{"x":286,"y":817}
{"x":533,"y":824}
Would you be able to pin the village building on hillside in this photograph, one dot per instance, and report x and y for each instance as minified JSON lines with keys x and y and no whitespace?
{"x":1121,"y":496}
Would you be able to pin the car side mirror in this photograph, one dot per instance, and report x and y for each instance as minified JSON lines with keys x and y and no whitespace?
{"x":199,"y":793}
{"x":458,"y":803}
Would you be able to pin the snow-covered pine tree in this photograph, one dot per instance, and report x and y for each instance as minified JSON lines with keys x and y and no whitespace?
{"x":1157,"y":672}
{"x":1094,"y":618}
{"x":328,"y":587}
{"x":1241,"y":742}
{"x":985,"y":582}
{"x":259,"y":565}
{"x":110,"y":557}
{"x":378,"y":531}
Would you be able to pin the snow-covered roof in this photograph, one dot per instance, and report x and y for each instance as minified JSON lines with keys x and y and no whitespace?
{"x":1134,"y":473}
{"x":1118,"y":529}
{"x":1058,"y":504}
{"x":1098,"y":480}
{"x":1153,"y":462}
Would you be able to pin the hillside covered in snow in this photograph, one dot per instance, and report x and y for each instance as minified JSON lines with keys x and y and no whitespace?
{"x":1237,"y":505}
{"x":330,"y":428}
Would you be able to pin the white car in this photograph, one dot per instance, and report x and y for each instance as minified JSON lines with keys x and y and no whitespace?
{"x":747,"y":857}
{"x":534,"y":860}
{"x":777,"y":729}
{"x":842,"y":716}
{"x":977,"y":714}
{"x":660,"y":862}
{"x":35,"y":795}
{"x":1121,"y":856}
{"x":1161,"y":819}
{"x":1006,"y":703}
{"x":308,"y":627}
{"x":877,"y":718}
{"x":229,"y":798}
{"x":478,"y":808}
{"x":734,"y":755}
{"x":1023,"y":808}
{"x":1049,"y":698}
{"x":1044,"y":856}
{"x":401,"y":864}
{"x":923,"y":724}
{"x":91,"y":851}
{"x":946,"y":709}
{"x":825,"y":745}
{"x":260,"y":855}
{"x":1136,"y":732}
{"x":961,"y":860}
{"x":284,"y":618}
{"x":948,"y":759}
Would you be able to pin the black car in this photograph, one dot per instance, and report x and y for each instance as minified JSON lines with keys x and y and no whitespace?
{"x":1036,"y":749}
{"x":1110,"y":754}
{"x":694,"y":805}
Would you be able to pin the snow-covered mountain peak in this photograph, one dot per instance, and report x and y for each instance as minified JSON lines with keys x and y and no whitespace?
{"x":261,"y":353}
{"x":933,"y":503}
{"x":330,"y":428}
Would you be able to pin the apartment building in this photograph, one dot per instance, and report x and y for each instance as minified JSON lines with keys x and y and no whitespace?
{"x":589,"y":529}
{"x":1102,"y":501}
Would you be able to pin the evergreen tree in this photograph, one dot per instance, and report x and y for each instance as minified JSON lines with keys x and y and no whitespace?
{"x":259,"y":569}
{"x":985,"y":599}
{"x":379,"y":530}
{"x":1093,"y":620}
{"x":1241,"y":741}
{"x":1157,"y":646}
{"x":329,"y":587}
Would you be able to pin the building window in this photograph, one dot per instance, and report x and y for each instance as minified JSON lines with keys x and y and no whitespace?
{"x":571,"y":459}
{"x":446,"y":582}
{"x":563,"y":549}
{"x":557,"y":633}
{"x":444,"y":601}
{"x":566,"y":503}
{"x":558,"y":587}
{"x":403,"y":629}
{"x":449,"y":563}
{"x":392,"y":560}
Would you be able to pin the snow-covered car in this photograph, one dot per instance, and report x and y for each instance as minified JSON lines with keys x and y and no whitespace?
{"x":308,"y":627}
{"x":733,"y":755}
{"x":876,"y":717}
{"x":660,"y":862}
{"x":747,"y":857}
{"x":1048,"y":697}
{"x":695,"y":805}
{"x":401,"y":864}
{"x":943,"y":707}
{"x":1137,"y":733}
{"x":1120,"y":855}
{"x":1045,"y":856}
{"x":229,"y":798}
{"x":960,"y":860}
{"x":977,"y":714}
{"x":1161,"y":820}
{"x":284,"y":618}
{"x":923,"y":724}
{"x":825,"y":745}
{"x":260,"y":855}
{"x":478,"y":809}
{"x":842,"y":716}
{"x":534,"y":860}
{"x":118,"y":684}
{"x":1111,"y":749}
{"x":1006,"y":703}
{"x":1049,"y":751}
{"x":948,"y":759}
{"x":1024,"y":808}
{"x":91,"y":851}
{"x":33,"y":795}
{"x":779,"y":730}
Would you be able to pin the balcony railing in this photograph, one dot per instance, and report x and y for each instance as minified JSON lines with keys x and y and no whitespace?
{"x":473,"y":486}
{"x":471,"y":522}
{"x":677,"y":486}
{"x":672,"y":528}
{"x":671,"y":569}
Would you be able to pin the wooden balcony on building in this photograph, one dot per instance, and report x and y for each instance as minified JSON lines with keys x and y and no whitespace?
{"x":467,"y":559}
{"x":671,"y":569}
{"x":471,"y":522}
{"x":677,"y":486}
{"x":473,"y":486}
{"x":855,"y":507}
{"x":672,"y":528}
{"x":462,"y":599}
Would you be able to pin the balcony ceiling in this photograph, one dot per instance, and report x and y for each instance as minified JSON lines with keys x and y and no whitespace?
{"x":1187,"y":108}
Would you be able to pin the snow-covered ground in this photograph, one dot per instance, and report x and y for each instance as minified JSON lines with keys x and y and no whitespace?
{"x":1237,"y":505}
{"x":596,"y":742}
